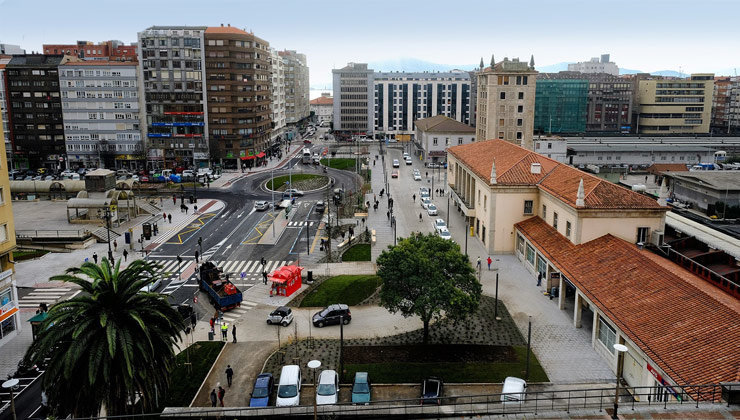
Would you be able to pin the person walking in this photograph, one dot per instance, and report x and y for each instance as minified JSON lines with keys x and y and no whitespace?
{"x":186,"y":209}
{"x":196,"y":256}
{"x":539,"y":279}
{"x":263,"y":262}
{"x":224,"y":331}
{"x":125,"y":255}
{"x":489,"y":261}
{"x":420,"y":217}
{"x":164,"y":216}
{"x":477,"y":263}
{"x":95,"y":257}
{"x":213,"y":324}
{"x":233,"y":336}
{"x":388,"y":213}
{"x":229,"y":374}
{"x":195,"y":208}
{"x":413,"y":198}
{"x":115,"y":245}
{"x":221,"y":393}
{"x":174,"y":199}
{"x":214,"y":398}
{"x":264,"y":277}
{"x":169,"y":218}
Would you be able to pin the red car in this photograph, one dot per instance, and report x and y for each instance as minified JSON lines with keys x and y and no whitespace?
{"x":144,"y":178}
{"x":394,"y":174}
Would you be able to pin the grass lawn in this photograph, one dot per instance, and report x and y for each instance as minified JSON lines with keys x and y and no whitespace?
{"x":340,"y":163}
{"x":455,"y":372}
{"x":359,"y":252}
{"x":28,"y":254}
{"x":184,"y":385}
{"x":347,"y":289}
{"x":281,"y":180}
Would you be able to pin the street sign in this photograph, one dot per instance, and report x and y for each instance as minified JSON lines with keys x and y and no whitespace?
{"x":243,"y":274}
{"x":195,"y":299}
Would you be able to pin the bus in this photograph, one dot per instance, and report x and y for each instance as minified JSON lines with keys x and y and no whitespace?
{"x":306,"y":156}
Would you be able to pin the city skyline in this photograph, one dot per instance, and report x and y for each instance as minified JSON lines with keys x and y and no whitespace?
{"x":331,"y":36}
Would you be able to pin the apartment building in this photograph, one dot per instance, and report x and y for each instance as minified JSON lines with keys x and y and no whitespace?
{"x":173,"y":90}
{"x":595,"y":65}
{"x":726,"y":105}
{"x":277,"y":105}
{"x":36,"y":121}
{"x":322,"y":108}
{"x":506,"y":102}
{"x":353,"y":98}
{"x":11,"y":49}
{"x":10,"y":322}
{"x":674,"y":106}
{"x":4,"y":117}
{"x":238,"y":82}
{"x":296,"y":86}
{"x":560,"y":105}
{"x":435,"y":134}
{"x":108,"y":50}
{"x":101,"y":113}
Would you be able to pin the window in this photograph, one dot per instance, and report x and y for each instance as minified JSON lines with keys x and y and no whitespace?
{"x":642,"y":234}
{"x":459,"y":140}
{"x":503,"y":95}
{"x":555,"y":220}
{"x":519,"y":122}
{"x":3,"y":233}
{"x":607,"y":335}
{"x":528,"y":206}
{"x":434,"y":141}
{"x":530,"y":254}
{"x":520,"y":244}
{"x":544,"y":212}
{"x":541,"y":266}
{"x":567,"y":229}
{"x":520,"y":108}
{"x":521,"y":95}
{"x":518,"y":135}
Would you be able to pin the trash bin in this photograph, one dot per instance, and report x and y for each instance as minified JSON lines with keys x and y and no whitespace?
{"x":210,"y":335}
{"x":147,"y":230}
{"x":309,"y":276}
{"x":127,"y":237}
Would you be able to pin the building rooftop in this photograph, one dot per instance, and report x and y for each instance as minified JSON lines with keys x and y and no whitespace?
{"x":716,"y":180}
{"x":322,"y":100}
{"x":443,"y":124}
{"x":402,"y":75}
{"x":226,"y":30}
{"x":100,"y":63}
{"x":37,"y":60}
{"x":657,"y":168}
{"x":677,"y":319}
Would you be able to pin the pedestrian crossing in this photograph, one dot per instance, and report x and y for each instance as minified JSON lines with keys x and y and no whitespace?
{"x":250,"y":268}
{"x":232,"y":315}
{"x":47,"y":295}
{"x":300,"y":224}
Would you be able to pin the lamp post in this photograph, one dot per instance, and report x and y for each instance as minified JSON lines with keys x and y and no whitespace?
{"x":529,"y":345}
{"x":272,"y":193}
{"x":9,"y":385}
{"x":107,"y":217}
{"x":621,"y":349}
{"x":467,"y":232}
{"x":313,"y":365}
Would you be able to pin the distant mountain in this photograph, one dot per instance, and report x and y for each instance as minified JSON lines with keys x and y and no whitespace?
{"x":630,"y":71}
{"x":552,"y":68}
{"x":416,"y":65}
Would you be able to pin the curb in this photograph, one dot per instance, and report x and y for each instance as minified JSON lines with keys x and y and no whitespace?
{"x":208,"y":374}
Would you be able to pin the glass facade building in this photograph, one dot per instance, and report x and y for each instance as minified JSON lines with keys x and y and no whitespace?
{"x":560,"y":106}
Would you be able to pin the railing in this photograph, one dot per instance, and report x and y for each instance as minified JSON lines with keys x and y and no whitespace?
{"x":51,"y":234}
{"x":703,"y":271}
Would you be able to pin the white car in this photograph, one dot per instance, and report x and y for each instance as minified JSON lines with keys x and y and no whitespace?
{"x":294,"y":192}
{"x":153,"y":286}
{"x":425,"y":202}
{"x":514,"y":390}
{"x":406,"y":155}
{"x":439,"y":224}
{"x":396,"y":164}
{"x":261,"y":205}
{"x":289,"y":387}
{"x":444,"y":233}
{"x":431,"y":209}
{"x":326,"y":392}
{"x":408,"y":161}
{"x":424,"y":194}
{"x":417,"y":176}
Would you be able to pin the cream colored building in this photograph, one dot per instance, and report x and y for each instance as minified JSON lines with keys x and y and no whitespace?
{"x":498,"y":184}
{"x":10,"y":322}
{"x":506,"y":102}
{"x":674,"y":106}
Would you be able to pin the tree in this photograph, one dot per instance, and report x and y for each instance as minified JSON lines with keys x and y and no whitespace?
{"x":425,"y":275}
{"x":109,"y":344}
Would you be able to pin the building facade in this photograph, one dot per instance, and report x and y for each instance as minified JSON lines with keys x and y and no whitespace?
{"x":108,"y":50}
{"x":36,"y":122}
{"x":553,"y":147}
{"x":238,"y":82}
{"x":277,"y":105}
{"x":353,"y":100}
{"x":100,"y":107}
{"x":596,"y":65}
{"x":322,"y":108}
{"x":10,"y":49}
{"x":506,"y":101}
{"x":10,"y":322}
{"x":560,"y":105}
{"x":435,"y":134}
{"x":173,"y":90}
{"x":674,"y":106}
{"x":4,"y":117}
{"x":296,"y":86}
{"x":726,"y":105}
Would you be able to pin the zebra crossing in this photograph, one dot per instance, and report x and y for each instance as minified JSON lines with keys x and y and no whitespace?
{"x":300,"y":224}
{"x":250,"y":268}
{"x":234,"y":314}
{"x":39,"y":295}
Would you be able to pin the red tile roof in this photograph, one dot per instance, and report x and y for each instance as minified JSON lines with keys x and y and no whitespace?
{"x":225,"y":30}
{"x":687,"y":328}
{"x":513,"y":167}
{"x":443,"y":124}
{"x":322,"y":100}
{"x":657,"y":168}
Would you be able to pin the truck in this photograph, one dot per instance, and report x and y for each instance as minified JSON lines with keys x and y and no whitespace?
{"x":222,"y":293}
{"x":306,"y":156}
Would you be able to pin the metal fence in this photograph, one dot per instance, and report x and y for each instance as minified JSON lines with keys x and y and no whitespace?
{"x":51,"y":234}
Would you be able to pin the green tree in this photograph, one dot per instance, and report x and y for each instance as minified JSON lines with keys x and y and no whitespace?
{"x":109,"y":344}
{"x":425,"y":275}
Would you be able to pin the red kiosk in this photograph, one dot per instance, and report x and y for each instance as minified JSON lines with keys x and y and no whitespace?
{"x":285,"y":280}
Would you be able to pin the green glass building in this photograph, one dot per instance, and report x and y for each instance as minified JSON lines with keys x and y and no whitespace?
{"x":560,"y":105}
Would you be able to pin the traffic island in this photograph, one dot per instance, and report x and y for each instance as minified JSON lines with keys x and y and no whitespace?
{"x":303,"y":182}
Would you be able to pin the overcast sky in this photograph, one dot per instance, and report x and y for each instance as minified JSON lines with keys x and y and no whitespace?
{"x":647,"y":35}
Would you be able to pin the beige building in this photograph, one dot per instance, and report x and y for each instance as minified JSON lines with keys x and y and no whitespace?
{"x":506,"y":102}
{"x":674,"y":106}
{"x":10,"y":322}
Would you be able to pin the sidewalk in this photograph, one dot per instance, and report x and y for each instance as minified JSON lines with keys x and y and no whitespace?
{"x":229,"y":177}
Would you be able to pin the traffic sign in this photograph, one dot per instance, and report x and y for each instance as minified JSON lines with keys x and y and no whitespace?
{"x":243,"y":274}
{"x":195,"y":299}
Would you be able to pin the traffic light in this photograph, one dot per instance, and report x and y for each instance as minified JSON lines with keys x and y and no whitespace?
{"x":200,"y":240}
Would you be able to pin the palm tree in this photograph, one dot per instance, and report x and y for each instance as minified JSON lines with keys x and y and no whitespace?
{"x":109,"y":344}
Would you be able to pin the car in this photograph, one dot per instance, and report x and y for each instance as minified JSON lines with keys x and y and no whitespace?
{"x":394,"y":174}
{"x":438,"y":224}
{"x":409,"y":161}
{"x":188,"y":175}
{"x":395,"y":163}
{"x":424,"y":194}
{"x":328,"y":388}
{"x":282,"y":316}
{"x":153,"y":286}
{"x":514,"y":390}
{"x":444,"y":234}
{"x":14,"y":174}
{"x":417,"y":176}
{"x":320,"y":206}
{"x":122,"y":172}
{"x":423,"y":190}
{"x":425,"y":202}
{"x":361,"y":388}
{"x":261,"y":205}
{"x":143,"y":178}
{"x":431,"y":390}
{"x":331,"y":315}
{"x":294,"y":192}
{"x":260,"y":395}
{"x":431,"y":209}
{"x":406,"y":155}
{"x":289,"y":386}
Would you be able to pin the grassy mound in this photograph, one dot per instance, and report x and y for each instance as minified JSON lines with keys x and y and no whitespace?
{"x":347,"y":289}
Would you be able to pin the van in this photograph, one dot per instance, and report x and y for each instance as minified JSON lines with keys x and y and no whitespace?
{"x":514,"y":390}
{"x":289,"y":387}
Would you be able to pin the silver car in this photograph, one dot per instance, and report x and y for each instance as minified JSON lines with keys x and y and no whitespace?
{"x":261,"y":205}
{"x":280,"y":316}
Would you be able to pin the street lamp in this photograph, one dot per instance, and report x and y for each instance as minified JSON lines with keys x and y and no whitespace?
{"x":107,"y":217}
{"x":621,"y":349}
{"x":313,"y":365}
{"x":10,"y":385}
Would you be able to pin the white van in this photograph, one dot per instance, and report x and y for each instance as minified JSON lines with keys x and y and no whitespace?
{"x":514,"y":390}
{"x":289,"y":388}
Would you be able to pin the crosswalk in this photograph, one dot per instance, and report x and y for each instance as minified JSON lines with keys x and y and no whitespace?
{"x":250,"y":268}
{"x":47,"y":295}
{"x":232,"y":315}
{"x":300,"y":224}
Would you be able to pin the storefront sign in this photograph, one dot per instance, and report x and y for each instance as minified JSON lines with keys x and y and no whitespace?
{"x":662,"y":381}
{"x":7,"y":310}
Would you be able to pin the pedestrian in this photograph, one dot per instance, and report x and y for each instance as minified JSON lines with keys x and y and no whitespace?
{"x":420,"y":217}
{"x":169,"y":218}
{"x":195,"y":208}
{"x":224,"y":331}
{"x":164,"y":216}
{"x":375,"y":198}
{"x":264,"y":277}
{"x":115,"y":245}
{"x":174,"y":199}
{"x":263,"y":262}
{"x":489,"y":262}
{"x":214,"y":399}
{"x":221,"y":393}
{"x":95,"y":257}
{"x":233,"y":336}
{"x":186,"y":209}
{"x":427,"y":174}
{"x":477,"y":263}
{"x":213,"y":324}
{"x":229,"y":374}
{"x":413,"y":198}
{"x":388,"y":213}
{"x":196,"y":256}
{"x":539,"y":279}
{"x":125,"y":255}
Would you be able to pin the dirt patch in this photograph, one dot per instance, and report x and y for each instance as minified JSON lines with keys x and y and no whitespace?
{"x":432,"y":353}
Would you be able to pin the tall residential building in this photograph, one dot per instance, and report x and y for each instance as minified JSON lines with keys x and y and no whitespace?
{"x":296,"y":86}
{"x":560,"y":104}
{"x":239,"y":94}
{"x":596,"y":65}
{"x":108,"y":50}
{"x":402,"y":98}
{"x":322,"y":108}
{"x":36,"y":123}
{"x":353,"y":93}
{"x":506,"y":97}
{"x":10,"y":49}
{"x":4,"y":120}
{"x":726,"y":105}
{"x":10,"y":322}
{"x":674,"y":106}
{"x":100,"y":105}
{"x":172,"y":85}
{"x":277,"y":105}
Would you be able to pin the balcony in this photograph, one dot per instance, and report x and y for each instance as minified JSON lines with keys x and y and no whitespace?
{"x":468,"y":207}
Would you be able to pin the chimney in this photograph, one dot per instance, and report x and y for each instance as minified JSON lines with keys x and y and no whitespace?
{"x":581,"y":195}
{"x":229,"y":25}
{"x":222,"y":25}
{"x":493,"y":172}
{"x":535,"y":168}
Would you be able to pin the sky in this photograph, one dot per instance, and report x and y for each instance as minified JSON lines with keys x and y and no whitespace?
{"x":647,"y":35}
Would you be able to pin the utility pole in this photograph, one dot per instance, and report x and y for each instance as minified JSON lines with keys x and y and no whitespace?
{"x":529,"y":345}
{"x":107,"y":225}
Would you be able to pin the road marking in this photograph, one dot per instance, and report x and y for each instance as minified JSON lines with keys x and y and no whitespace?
{"x":197,"y":224}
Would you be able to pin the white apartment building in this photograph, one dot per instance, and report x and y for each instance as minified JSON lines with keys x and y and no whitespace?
{"x":4,"y":111}
{"x":322,"y":108}
{"x":596,"y":65}
{"x":353,"y":93}
{"x":554,"y":147}
{"x":277,"y":73}
{"x":100,"y":107}
{"x":435,"y":134}
{"x":296,"y":86}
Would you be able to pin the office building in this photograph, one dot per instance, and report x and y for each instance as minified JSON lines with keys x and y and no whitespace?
{"x":596,"y":65}
{"x":322,"y":108}
{"x":36,"y":122}
{"x":560,"y":104}
{"x":277,"y":105}
{"x":173,"y":88}
{"x":353,"y":100}
{"x":435,"y":134}
{"x":5,"y":118}
{"x":239,"y":94}
{"x":296,"y":87}
{"x":10,"y":322}
{"x":553,"y":147}
{"x":726,"y":105}
{"x":10,"y":49}
{"x":402,"y":98}
{"x":674,"y":106}
{"x":100,"y":107}
{"x":108,"y":50}
{"x":506,"y":99}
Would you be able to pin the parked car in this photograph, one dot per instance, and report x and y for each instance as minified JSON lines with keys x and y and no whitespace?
{"x":122,"y":172}
{"x":188,"y":175}
{"x":153,"y":286}
{"x":406,"y":155}
{"x":361,"y":388}
{"x":444,"y":233}
{"x":409,"y":161}
{"x":394,"y":174}
{"x":320,"y":206}
{"x":260,"y":396}
{"x":331,"y":315}
{"x":282,"y":315}
{"x":328,"y":388}
{"x":438,"y":224}
{"x":289,"y":386}
{"x":431,"y":391}
{"x":144,"y":178}
{"x":514,"y":390}
{"x":396,"y":164}
{"x":294,"y":192}
{"x":261,"y":205}
{"x":432,"y":209}
{"x":425,"y":202}
{"x":417,"y":176}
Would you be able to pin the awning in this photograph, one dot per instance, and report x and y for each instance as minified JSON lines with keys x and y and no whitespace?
{"x":247,"y":157}
{"x":261,"y":154}
{"x":40,"y":317}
